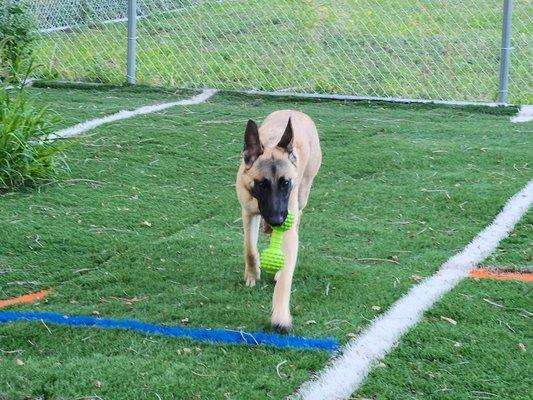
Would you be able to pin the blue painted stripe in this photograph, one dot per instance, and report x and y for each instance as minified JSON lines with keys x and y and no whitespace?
{"x":225,"y":336}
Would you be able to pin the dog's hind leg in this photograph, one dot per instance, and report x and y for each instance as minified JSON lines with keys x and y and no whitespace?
{"x":252,"y":272}
{"x":281,"y":316}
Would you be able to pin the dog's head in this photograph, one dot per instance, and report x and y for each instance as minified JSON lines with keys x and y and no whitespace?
{"x":270,"y":172}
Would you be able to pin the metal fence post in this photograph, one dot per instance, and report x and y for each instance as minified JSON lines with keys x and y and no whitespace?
{"x":132,"y":40}
{"x":505,"y":51}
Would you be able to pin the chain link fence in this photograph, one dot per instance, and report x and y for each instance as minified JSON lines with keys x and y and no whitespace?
{"x":408,"y":49}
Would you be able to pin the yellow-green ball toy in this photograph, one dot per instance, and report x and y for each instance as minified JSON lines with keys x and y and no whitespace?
{"x":273,"y":259}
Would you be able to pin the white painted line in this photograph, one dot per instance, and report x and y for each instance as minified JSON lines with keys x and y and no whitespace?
{"x":93,"y":123}
{"x":346,"y":373}
{"x":488,"y":239}
{"x":525,"y":114}
{"x":370,"y":98}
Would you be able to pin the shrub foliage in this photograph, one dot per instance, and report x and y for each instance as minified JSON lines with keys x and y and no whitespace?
{"x":27,"y":156}
{"x":17,"y":36}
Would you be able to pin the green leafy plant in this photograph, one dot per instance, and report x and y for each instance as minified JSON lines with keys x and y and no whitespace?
{"x":17,"y":35}
{"x":27,"y":156}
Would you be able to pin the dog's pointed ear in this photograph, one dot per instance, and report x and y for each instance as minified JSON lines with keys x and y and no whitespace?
{"x":252,"y":145}
{"x":287,"y":138}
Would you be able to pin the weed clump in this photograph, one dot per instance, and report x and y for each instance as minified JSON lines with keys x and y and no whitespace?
{"x":17,"y":37}
{"x":27,"y":156}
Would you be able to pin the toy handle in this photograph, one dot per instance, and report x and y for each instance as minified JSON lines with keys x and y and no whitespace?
{"x":276,"y":238}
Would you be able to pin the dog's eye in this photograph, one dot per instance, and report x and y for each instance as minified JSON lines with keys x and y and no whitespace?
{"x":262,"y":184}
{"x":284,"y":182}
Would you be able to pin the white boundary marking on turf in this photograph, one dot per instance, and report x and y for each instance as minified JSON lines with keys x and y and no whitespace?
{"x":370,"y":98}
{"x":525,"y":114}
{"x":345,"y":374}
{"x":93,"y":123}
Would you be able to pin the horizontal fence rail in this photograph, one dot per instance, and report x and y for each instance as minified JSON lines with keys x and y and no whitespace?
{"x":408,"y":49}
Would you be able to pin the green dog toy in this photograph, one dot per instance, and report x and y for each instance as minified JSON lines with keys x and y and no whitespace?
{"x":273,"y":259}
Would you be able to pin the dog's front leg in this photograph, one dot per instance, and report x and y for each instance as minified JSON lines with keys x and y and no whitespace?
{"x":281,"y":315}
{"x":252,"y":272}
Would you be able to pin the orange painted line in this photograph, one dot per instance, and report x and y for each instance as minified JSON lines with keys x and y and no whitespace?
{"x":26,"y":298}
{"x":501,"y":275}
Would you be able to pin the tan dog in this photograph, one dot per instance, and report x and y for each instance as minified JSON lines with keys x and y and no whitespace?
{"x":280,"y":161}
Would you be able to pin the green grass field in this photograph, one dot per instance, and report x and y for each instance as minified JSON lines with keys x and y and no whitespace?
{"x":147,"y":226}
{"x":516,"y":251}
{"x":484,"y":355}
{"x":423,"y":49}
{"x":487,"y":354}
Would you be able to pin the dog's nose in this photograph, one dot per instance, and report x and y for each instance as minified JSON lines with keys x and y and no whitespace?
{"x":276,"y":220}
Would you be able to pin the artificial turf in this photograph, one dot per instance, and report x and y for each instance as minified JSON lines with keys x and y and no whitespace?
{"x":486,"y":355}
{"x":516,"y":251}
{"x":147,"y":226}
{"x":70,"y":105}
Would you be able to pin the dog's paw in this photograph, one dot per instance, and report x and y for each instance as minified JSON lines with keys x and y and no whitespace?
{"x":250,"y":278}
{"x":283,"y":329}
{"x":281,"y":323}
